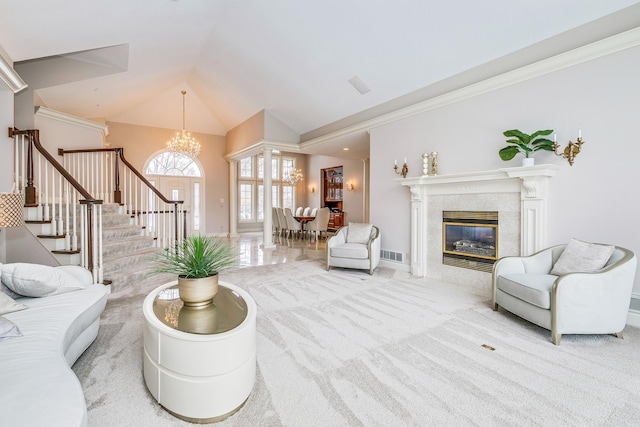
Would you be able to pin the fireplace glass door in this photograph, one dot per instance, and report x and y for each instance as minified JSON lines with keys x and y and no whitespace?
{"x":470,"y":240}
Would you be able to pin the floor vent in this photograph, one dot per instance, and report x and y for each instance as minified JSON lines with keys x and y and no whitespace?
{"x":392,"y":256}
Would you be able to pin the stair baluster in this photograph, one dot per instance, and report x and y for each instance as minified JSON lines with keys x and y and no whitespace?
{"x":49,"y":199}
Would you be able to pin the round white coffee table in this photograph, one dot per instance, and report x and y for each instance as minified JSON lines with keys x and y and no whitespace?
{"x":200,"y":363}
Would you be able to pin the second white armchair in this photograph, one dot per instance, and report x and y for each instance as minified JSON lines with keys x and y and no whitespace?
{"x":355,"y":246}
{"x":583,"y":301}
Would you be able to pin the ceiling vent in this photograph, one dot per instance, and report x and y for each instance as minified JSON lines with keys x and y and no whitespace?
{"x":359,"y":85}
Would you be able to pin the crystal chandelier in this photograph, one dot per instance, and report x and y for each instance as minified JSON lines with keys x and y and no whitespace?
{"x":295,"y":176}
{"x":183,"y":142}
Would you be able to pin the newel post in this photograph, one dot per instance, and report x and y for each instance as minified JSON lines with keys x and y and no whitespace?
{"x":117,"y":194}
{"x":89,"y":231}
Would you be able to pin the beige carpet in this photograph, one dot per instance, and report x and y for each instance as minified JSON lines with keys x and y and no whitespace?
{"x":342,"y":348}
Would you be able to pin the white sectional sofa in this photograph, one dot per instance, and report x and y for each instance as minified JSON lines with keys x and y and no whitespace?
{"x":37,"y":385}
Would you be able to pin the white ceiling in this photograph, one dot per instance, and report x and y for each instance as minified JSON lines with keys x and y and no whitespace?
{"x":291,"y":57}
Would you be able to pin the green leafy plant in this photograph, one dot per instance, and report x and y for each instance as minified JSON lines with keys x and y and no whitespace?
{"x":197,"y":257}
{"x":525,"y":144}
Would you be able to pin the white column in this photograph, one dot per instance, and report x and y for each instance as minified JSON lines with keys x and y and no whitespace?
{"x":533,"y":214}
{"x":233,"y":198}
{"x":418,"y":230}
{"x":366,"y":197}
{"x":268,"y":220}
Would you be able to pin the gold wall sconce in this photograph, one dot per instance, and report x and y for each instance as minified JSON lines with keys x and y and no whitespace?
{"x":404,"y":171}
{"x":312,"y":188}
{"x":350,"y":186}
{"x":571,"y":150}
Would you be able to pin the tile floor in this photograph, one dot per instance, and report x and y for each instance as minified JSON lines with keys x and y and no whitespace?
{"x":251,"y":253}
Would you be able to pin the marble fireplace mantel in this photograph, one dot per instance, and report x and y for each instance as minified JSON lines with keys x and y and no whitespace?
{"x":530,"y":182}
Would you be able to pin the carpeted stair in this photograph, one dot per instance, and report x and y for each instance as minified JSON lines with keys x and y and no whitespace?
{"x":126,"y":251}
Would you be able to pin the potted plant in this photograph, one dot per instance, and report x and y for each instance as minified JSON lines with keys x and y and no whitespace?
{"x":521,"y":142}
{"x":197,"y":262}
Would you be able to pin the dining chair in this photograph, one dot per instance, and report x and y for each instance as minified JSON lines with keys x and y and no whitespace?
{"x":293,"y":226}
{"x":319,"y":224}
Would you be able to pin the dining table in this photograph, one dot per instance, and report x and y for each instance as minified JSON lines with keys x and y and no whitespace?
{"x":304,"y":219}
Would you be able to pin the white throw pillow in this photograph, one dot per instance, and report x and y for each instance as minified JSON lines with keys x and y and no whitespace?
{"x":35,"y":280}
{"x":8,"y":329}
{"x":6,"y":290}
{"x":8,"y":305}
{"x":358,"y":233}
{"x":582,"y":257}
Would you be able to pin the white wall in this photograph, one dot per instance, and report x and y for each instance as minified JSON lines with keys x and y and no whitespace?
{"x":596,"y":199}
{"x":6,"y":145}
{"x":58,"y":130}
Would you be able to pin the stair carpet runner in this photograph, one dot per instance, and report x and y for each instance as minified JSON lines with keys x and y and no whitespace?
{"x":126,"y":251}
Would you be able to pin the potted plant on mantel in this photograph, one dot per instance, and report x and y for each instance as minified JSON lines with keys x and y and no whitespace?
{"x":197,"y":262}
{"x":521,"y":142}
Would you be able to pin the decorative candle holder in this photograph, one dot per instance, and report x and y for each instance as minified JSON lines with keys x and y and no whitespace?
{"x":425,"y":164}
{"x":570,"y":151}
{"x":434,"y":163}
{"x":404,"y":171}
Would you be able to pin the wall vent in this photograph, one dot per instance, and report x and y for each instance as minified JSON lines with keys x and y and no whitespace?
{"x":392,"y":256}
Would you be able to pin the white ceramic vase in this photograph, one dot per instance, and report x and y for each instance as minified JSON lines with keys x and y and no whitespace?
{"x":528,"y":161}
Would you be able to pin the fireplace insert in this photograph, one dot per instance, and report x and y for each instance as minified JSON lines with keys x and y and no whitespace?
{"x":470,"y":239}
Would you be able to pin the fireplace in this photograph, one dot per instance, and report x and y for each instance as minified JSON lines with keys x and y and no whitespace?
{"x":470,"y":239}
{"x":521,"y":196}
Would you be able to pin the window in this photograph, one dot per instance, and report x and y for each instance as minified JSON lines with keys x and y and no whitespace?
{"x":175,"y":164}
{"x":287,"y":197}
{"x":246,"y":167}
{"x":275,"y":196}
{"x":260,"y":202}
{"x":251,"y":188}
{"x":275,"y":161}
{"x":246,"y":202}
{"x":288,"y":166}
{"x":274,"y":199}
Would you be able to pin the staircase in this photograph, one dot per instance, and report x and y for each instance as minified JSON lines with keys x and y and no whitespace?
{"x":97,"y":210}
{"x":126,"y":250}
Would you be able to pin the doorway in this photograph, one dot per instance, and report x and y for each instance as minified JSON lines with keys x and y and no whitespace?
{"x":179,"y":177}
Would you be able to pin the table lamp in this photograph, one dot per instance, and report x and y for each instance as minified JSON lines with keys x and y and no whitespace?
{"x":11,"y":210}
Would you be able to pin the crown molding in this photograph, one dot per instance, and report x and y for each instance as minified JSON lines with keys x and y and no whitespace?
{"x":257,"y":147}
{"x":604,"y":47}
{"x":10,"y":77}
{"x":74,"y":120}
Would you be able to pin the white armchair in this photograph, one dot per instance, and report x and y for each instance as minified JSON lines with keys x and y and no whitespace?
{"x":355,"y":246}
{"x":595,"y":302}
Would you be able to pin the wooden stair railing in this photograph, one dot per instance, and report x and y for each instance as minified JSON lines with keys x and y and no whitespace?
{"x":57,"y":188}
{"x":118,"y":181}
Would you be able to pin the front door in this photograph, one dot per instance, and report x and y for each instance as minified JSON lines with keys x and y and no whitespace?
{"x":179,"y":177}
{"x":187,"y":189}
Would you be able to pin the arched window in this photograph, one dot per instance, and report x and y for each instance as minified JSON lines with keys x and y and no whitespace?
{"x":176,"y":164}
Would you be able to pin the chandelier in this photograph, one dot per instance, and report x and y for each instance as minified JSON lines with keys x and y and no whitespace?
{"x":183,"y":142}
{"x":295,"y":176}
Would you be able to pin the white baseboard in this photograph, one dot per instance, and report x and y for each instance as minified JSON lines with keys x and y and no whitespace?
{"x":396,"y":265}
{"x":633,"y":318}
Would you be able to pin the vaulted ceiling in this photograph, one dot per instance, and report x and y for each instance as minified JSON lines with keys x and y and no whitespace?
{"x":293,"y":58}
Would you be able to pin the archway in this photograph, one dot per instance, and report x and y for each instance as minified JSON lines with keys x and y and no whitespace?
{"x":180,"y":177}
